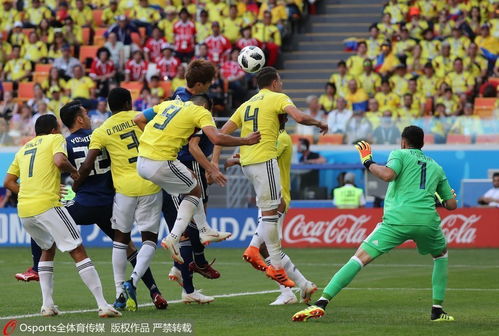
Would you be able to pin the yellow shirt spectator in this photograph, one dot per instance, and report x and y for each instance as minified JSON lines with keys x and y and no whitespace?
{"x":34,"y":51}
{"x":178,"y":82}
{"x":341,"y":83}
{"x":36,"y":15}
{"x":82,"y":17}
{"x":80,"y":88}
{"x":427,"y":8}
{"x":428,"y":85}
{"x":458,"y":46}
{"x":355,"y":65}
{"x":56,"y":105}
{"x":416,"y":28}
{"x":430,"y":49}
{"x":442,"y":65}
{"x":459,"y":82}
{"x":17,"y":68}
{"x":7,"y":18}
{"x":450,"y":101}
{"x":203,"y":30}
{"x":397,"y":11}
{"x":490,"y":43}
{"x":5,"y":50}
{"x":403,"y":47}
{"x":109,"y":17}
{"x":327,"y":102}
{"x":128,"y":4}
{"x":399,"y":84}
{"x":18,"y":39}
{"x":374,"y":47}
{"x":215,"y":10}
{"x":370,"y":82}
{"x":167,"y":27}
{"x":387,"y":101}
{"x":231,"y":28}
{"x":278,"y":12}
{"x":475,"y":66}
{"x":145,"y":14}
{"x":267,"y":33}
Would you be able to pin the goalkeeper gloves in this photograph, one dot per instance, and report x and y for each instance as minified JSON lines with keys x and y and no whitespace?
{"x":366,"y":156}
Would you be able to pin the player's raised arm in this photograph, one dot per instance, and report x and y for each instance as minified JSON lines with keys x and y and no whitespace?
{"x":366,"y":157}
{"x":305,"y":119}
{"x":86,"y":167}
{"x":211,"y":169}
{"x":221,"y":139}
{"x":228,"y":128}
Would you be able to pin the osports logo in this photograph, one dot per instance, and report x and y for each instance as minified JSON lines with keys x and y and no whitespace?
{"x":9,"y":327}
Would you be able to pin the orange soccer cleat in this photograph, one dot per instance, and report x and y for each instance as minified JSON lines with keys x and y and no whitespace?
{"x":280,"y":276}
{"x":253,"y":256}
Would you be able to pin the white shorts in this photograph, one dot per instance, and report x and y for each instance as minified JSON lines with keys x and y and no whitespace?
{"x":173,"y":176}
{"x":265,"y":178}
{"x":53,"y":226}
{"x":145,"y":210}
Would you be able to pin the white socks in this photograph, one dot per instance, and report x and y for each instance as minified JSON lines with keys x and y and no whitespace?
{"x":293,"y":272}
{"x":257,"y":240}
{"x":286,"y":290}
{"x":119,"y":261}
{"x":270,"y":234}
{"x":144,"y":257}
{"x":185,"y":213}
{"x":200,"y":218}
{"x":89,"y":275}
{"x":46,"y":274}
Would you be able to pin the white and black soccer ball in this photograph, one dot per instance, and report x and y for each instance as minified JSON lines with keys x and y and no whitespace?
{"x":251,"y":59}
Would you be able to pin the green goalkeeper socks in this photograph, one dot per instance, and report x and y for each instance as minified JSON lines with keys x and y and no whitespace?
{"x":342,"y":278}
{"x":439,"y":279}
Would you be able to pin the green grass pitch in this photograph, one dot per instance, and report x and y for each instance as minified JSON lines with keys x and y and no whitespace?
{"x":392,"y":296}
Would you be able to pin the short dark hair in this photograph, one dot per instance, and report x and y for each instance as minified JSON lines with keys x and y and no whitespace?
{"x":45,"y":124}
{"x":266,"y":76}
{"x":414,"y":136}
{"x":199,"y":71}
{"x":305,"y":142}
{"x":331,"y":84}
{"x":202,"y":100}
{"x":496,"y":174}
{"x":119,"y":99}
{"x":69,"y":112}
{"x":341,"y":63}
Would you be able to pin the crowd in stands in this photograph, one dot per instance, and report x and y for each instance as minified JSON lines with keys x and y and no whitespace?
{"x":433,"y":63}
{"x":56,"y":50}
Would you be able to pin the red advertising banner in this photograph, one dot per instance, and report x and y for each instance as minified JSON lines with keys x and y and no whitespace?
{"x":319,"y":227}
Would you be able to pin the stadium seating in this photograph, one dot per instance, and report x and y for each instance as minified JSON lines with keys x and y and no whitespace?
{"x":295,"y":138}
{"x":484,"y":107}
{"x":429,"y":139}
{"x":87,"y":52}
{"x":487,"y":139}
{"x":458,"y":139}
{"x":43,"y":68}
{"x":134,"y":88}
{"x":25,"y":90}
{"x":330,"y":139}
{"x":97,"y":16}
{"x":40,"y":77}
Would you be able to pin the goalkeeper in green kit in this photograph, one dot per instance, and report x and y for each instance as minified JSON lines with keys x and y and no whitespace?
{"x":409,"y":213}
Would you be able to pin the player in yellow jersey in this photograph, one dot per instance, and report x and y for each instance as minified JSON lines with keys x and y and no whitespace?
{"x":136,"y":199}
{"x":284,"y":157}
{"x":260,"y":113}
{"x":38,"y":166}
{"x":174,"y":123}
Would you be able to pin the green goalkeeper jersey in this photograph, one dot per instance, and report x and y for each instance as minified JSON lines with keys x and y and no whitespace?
{"x":410,"y":199}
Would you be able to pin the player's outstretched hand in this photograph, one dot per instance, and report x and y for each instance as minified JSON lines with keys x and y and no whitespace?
{"x":63,"y":192}
{"x":216,"y":176}
{"x":324,"y":128}
{"x":364,"y":149}
{"x":253,"y":138}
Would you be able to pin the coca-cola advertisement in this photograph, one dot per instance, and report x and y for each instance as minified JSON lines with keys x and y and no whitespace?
{"x":463,"y":228}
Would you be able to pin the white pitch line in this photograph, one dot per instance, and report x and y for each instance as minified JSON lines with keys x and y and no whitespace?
{"x":269,"y":292}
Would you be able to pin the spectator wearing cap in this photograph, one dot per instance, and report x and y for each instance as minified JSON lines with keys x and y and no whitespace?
{"x":216,"y":9}
{"x":428,"y":82}
{"x":486,"y":41}
{"x":232,"y":25}
{"x":218,"y":45}
{"x":355,"y":63}
{"x":167,"y":65}
{"x":458,"y":43}
{"x":358,"y":128}
{"x":102,"y":71}
{"x":337,"y":118}
{"x":81,"y":87}
{"x":416,"y":26}
{"x":185,"y":37}
{"x":82,"y":14}
{"x":386,"y":61}
{"x":34,"y":14}
{"x":459,"y":80}
{"x":386,"y":98}
{"x":66,"y":63}
{"x":8,"y":15}
{"x":136,"y":68}
{"x":144,"y":16}
{"x":307,"y":156}
{"x":341,"y":78}
{"x":349,"y":196}
{"x":154,"y":45}
{"x":369,"y":80}
{"x":117,"y":50}
{"x":100,"y":114}
{"x":203,"y":27}
{"x":399,"y":81}
{"x":443,"y":62}
{"x":16,"y":35}
{"x":17,"y":69}
{"x":111,"y":13}
{"x":57,"y":100}
{"x":234,"y":75}
{"x":270,"y":37}
{"x":166,"y":24}
{"x":313,"y":109}
{"x":123,"y":30}
{"x":356,"y":97}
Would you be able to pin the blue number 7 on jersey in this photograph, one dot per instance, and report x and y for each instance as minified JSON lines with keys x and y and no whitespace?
{"x":168,"y":116}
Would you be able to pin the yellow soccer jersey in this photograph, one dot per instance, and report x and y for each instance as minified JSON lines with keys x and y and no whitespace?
{"x":459,"y":82}
{"x":119,"y":135}
{"x":171,"y":128}
{"x":260,"y":113}
{"x":284,"y":156}
{"x":370,"y":83}
{"x":39,"y":177}
{"x":387,"y":101}
{"x":355,"y":65}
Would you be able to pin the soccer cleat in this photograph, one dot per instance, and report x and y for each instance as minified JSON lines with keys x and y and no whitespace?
{"x":108,"y":312}
{"x":159,"y":301}
{"x":120,"y":302}
{"x":29,"y":275}
{"x":280,"y":276}
{"x":308,"y":313}
{"x":284,"y":299}
{"x":307,"y":291}
{"x":130,"y":295}
{"x":196,"y":296}
{"x":212,"y":236}
{"x":170,"y":244}
{"x":207,"y":271}
{"x":253,"y":256}
{"x":49,"y":311}
{"x":176,"y":275}
{"x":438,"y":315}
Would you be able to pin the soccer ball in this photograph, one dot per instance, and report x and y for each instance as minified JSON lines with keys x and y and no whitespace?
{"x":251,"y":59}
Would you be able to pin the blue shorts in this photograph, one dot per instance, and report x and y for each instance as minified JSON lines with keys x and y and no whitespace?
{"x":88,"y":215}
